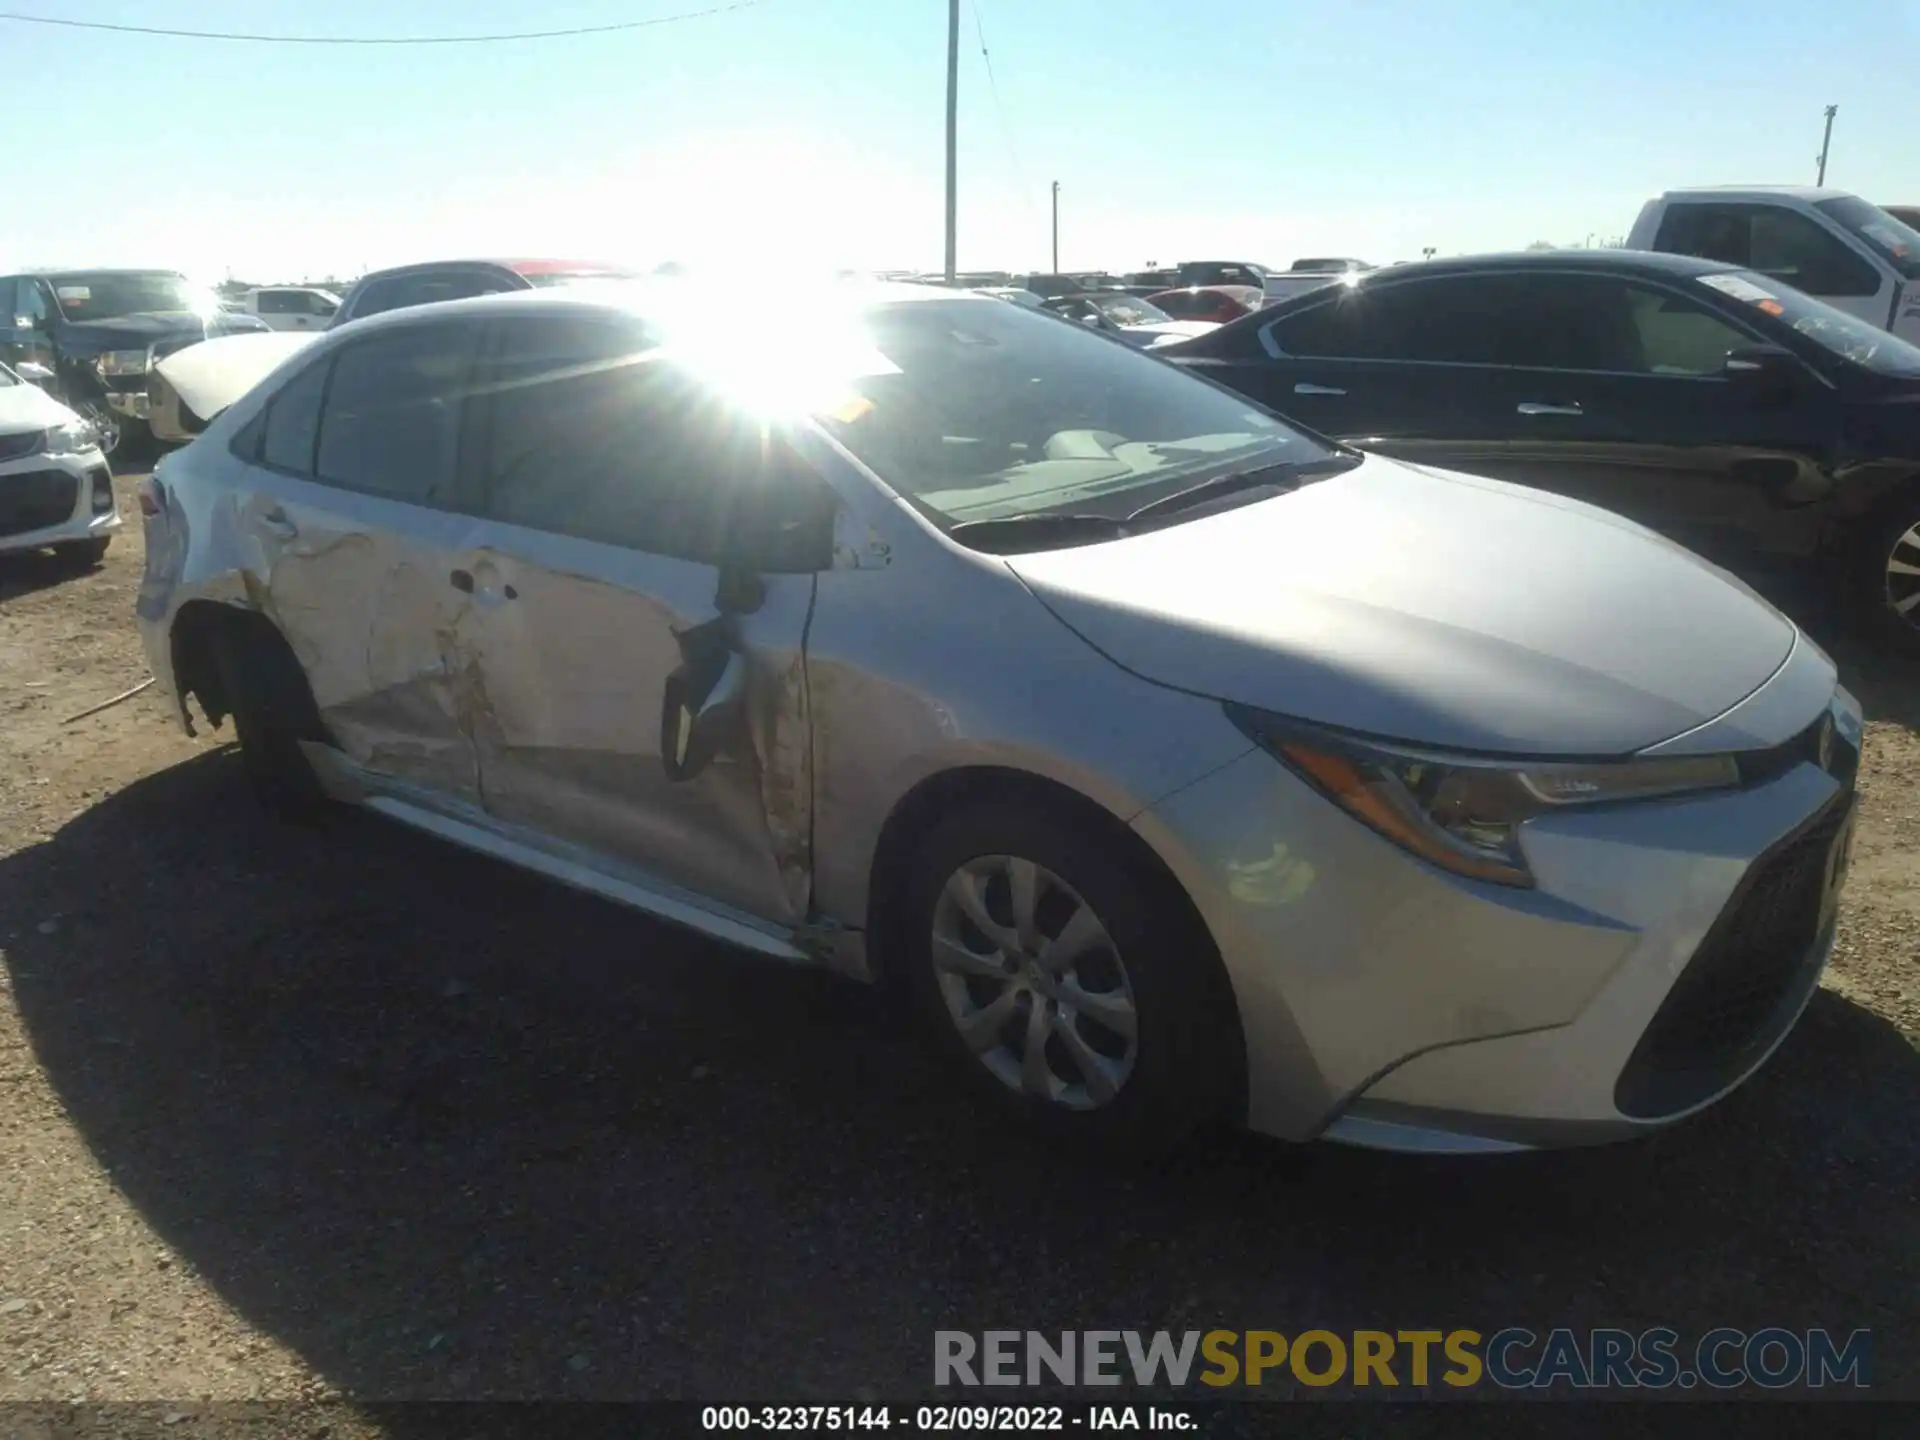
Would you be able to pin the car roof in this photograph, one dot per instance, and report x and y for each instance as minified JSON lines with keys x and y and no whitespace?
{"x":1644,"y":262}
{"x":1791,"y":192}
{"x":518,"y":267}
{"x":642,"y":298}
{"x":53,"y":270}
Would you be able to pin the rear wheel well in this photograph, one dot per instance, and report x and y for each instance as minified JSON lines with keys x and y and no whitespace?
{"x":921,"y":807}
{"x":199,"y":630}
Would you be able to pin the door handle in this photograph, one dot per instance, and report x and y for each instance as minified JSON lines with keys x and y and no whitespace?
{"x":1536,"y":407}
{"x":275,"y":521}
{"x":1303,"y":388}
{"x":462,"y":580}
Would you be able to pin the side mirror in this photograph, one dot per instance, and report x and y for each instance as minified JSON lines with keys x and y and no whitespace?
{"x":1765,"y":366}
{"x":33,"y":372}
{"x":703,"y":707}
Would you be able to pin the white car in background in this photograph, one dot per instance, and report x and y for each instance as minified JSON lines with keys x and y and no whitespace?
{"x":1127,"y":317}
{"x":291,"y":307}
{"x":55,"y":488}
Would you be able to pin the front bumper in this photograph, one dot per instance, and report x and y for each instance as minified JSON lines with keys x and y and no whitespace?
{"x":1387,"y":1003}
{"x":56,"y":500}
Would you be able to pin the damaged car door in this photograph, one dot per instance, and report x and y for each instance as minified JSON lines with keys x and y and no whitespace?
{"x":643,"y":576}
{"x":354,"y":515}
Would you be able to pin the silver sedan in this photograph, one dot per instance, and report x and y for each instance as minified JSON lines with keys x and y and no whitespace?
{"x":1176,"y":765}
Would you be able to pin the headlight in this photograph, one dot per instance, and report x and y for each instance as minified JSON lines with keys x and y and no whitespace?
{"x":70,"y":439}
{"x":1464,"y":813}
{"x":122,"y":362}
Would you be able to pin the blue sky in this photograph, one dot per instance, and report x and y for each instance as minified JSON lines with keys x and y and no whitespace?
{"x":811,"y":130}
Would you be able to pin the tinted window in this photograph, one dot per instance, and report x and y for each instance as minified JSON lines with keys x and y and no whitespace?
{"x":1771,"y":239}
{"x":391,"y":423}
{"x":587,"y":432}
{"x":273,"y":302}
{"x":399,"y":292}
{"x":1185,"y":304}
{"x":1840,"y":334}
{"x":1460,"y":320}
{"x":293,"y":421}
{"x":1891,"y":237}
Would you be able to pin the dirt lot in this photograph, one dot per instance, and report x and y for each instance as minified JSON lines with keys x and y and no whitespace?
{"x":289,"y":1114}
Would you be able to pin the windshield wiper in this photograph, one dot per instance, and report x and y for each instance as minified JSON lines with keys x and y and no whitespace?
{"x":1011,"y":533}
{"x":1255,"y":478}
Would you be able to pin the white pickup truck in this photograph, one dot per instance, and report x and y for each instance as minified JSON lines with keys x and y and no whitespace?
{"x":1829,"y":244}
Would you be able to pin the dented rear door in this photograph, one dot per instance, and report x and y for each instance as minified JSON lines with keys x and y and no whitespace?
{"x":593,"y":578}
{"x":362,"y":543}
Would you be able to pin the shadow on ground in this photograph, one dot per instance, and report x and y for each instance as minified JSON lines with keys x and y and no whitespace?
{"x":22,"y":572}
{"x":450,"y":1131}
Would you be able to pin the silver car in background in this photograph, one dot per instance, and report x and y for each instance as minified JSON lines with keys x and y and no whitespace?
{"x":1175,"y":765}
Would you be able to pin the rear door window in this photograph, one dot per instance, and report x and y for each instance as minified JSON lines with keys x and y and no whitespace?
{"x":292,"y":422}
{"x":1449,"y":320}
{"x":391,"y":421}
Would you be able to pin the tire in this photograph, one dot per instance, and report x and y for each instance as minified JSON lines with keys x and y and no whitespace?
{"x":83,"y":554}
{"x":1087,"y":1083}
{"x":266,"y":695}
{"x":1893,"y":540}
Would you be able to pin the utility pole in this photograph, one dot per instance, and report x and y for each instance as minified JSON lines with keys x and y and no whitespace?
{"x":1825,"y":141}
{"x":953,"y":137}
{"x":1056,"y":227}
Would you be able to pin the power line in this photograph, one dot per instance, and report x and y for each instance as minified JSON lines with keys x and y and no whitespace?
{"x":379,"y":39}
{"x":1000,"y":111}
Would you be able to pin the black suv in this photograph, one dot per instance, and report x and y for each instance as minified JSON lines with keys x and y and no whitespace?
{"x":98,"y":333}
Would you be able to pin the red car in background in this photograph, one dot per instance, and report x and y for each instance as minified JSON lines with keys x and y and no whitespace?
{"x":1219,"y":303}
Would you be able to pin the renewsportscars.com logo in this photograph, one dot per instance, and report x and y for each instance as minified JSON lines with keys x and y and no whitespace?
{"x":1512,"y":1359}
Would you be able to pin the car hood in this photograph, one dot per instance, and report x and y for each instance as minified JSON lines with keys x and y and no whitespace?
{"x":1425,"y":606}
{"x":27,"y":407}
{"x":212,"y":375}
{"x":128,"y":332}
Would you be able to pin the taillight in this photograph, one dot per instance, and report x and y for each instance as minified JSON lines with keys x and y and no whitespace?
{"x":153,"y":497}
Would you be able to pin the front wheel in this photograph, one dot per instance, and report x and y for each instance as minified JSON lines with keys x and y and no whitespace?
{"x":1891,"y":571}
{"x":1064,"y":984}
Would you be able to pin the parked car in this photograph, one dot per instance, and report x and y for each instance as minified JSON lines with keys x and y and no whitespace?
{"x":1126,"y":317}
{"x":1085,"y":282}
{"x":99,"y":332}
{"x":1743,"y":418}
{"x":1834,"y":246}
{"x":291,"y":307}
{"x":55,"y":488}
{"x":1176,"y":764}
{"x":188,"y":380}
{"x":1191,"y":273}
{"x":1216,"y":304}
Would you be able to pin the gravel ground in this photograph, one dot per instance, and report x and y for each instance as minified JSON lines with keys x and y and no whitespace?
{"x":297,"y":1115}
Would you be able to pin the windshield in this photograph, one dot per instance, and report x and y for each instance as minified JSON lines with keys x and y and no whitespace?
{"x":986,"y":412}
{"x":1892,"y":240}
{"x":1128,"y":310}
{"x":7,"y":377}
{"x":1847,"y":336}
{"x":103,"y":295}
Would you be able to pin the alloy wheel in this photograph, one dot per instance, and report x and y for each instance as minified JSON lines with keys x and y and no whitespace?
{"x":1903,"y":576}
{"x":1033,"y":982}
